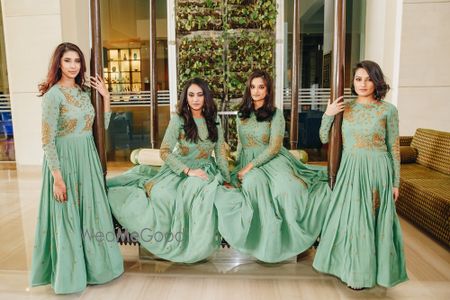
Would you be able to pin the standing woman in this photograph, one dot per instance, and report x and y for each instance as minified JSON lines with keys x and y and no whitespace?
{"x":361,"y":239}
{"x":283,"y":202}
{"x":171,"y":212}
{"x":74,"y":206}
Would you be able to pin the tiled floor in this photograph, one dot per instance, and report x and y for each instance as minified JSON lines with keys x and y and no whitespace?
{"x":226,"y":275}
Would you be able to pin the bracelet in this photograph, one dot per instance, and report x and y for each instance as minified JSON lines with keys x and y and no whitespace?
{"x":187,"y":173}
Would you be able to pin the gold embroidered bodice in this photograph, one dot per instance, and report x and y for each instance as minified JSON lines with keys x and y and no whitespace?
{"x":65,"y":112}
{"x":371,"y":127}
{"x":263,"y":139}
{"x":179,"y":153}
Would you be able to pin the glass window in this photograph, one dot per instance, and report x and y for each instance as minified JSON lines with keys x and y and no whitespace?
{"x":316,"y":35}
{"x":126,"y":68}
{"x":6,"y":128}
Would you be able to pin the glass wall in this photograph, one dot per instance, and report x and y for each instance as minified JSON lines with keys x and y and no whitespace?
{"x":316,"y":30}
{"x":126,"y":68}
{"x":6,"y":128}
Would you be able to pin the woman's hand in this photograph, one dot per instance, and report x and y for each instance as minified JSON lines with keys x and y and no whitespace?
{"x":336,"y":107}
{"x":59,"y":190}
{"x":197,"y":173}
{"x":395,"y":193}
{"x":244,"y":171}
{"x":98,"y":84}
{"x":227,"y":185}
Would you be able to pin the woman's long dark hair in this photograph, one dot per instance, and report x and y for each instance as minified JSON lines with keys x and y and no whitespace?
{"x":54,"y":71}
{"x":209,"y":112}
{"x":265,"y":112}
{"x":376,"y":75}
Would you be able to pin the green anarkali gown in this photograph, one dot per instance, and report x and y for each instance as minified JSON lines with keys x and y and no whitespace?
{"x":283,"y":202}
{"x":361,"y":239}
{"x":75,"y":243}
{"x":171,"y":214}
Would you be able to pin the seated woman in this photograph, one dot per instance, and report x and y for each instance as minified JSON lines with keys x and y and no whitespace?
{"x":171,"y":212}
{"x":283,"y":202}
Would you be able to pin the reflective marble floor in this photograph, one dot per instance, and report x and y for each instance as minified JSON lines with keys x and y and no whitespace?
{"x":226,"y":275}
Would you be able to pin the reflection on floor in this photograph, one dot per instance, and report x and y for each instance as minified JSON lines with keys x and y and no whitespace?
{"x":7,"y":149}
{"x":226,"y":275}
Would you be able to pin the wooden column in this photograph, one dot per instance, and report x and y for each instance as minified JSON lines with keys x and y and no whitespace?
{"x":154,"y":100}
{"x":337,"y":90}
{"x":96,"y":68}
{"x":295,"y":74}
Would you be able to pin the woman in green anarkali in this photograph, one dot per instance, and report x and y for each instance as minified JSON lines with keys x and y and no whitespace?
{"x":283,"y":203}
{"x":361,"y":239}
{"x":74,"y":210}
{"x":172,"y":211}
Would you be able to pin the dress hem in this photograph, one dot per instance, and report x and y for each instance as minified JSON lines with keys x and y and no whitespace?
{"x":75,"y":291}
{"x":364,"y":285}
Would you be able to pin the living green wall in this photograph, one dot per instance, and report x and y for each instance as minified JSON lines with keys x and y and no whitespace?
{"x":223,"y":41}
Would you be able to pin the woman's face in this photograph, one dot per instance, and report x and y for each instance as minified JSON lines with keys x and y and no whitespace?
{"x":195,"y":97}
{"x":258,"y":89}
{"x":70,"y":64}
{"x":364,"y":86}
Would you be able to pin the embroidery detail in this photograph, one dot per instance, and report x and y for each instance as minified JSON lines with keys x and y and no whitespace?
{"x":148,"y":186}
{"x":89,"y":121}
{"x":184,"y":149}
{"x":164,"y":151}
{"x":63,"y":110}
{"x":278,"y":142}
{"x":203,"y":153}
{"x":376,"y":201}
{"x":68,"y":126}
{"x":46,"y":133}
{"x":71,"y":99}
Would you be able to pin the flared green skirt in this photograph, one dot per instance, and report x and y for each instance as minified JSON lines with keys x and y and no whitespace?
{"x":361,"y":240}
{"x":75,"y":244}
{"x":279,"y":211}
{"x":177,"y":221}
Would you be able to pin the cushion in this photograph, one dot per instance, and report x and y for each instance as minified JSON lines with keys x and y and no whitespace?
{"x":146,"y":157}
{"x":408,"y":154}
{"x":426,"y":202}
{"x":416,"y":171}
{"x":433,"y":149}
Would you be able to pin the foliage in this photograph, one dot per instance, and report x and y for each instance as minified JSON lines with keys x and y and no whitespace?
{"x":222,"y":42}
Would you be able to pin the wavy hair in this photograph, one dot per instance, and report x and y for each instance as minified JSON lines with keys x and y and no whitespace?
{"x":376,"y":75}
{"x":54,"y":71}
{"x":209,"y":111}
{"x":264,"y":113}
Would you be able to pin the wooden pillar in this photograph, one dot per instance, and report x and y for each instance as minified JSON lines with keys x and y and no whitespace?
{"x":337,"y":90}
{"x":96,"y":68}
{"x":295,"y":75}
{"x":154,"y":100}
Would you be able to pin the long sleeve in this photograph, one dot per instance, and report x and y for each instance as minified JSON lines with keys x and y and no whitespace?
{"x":276,"y":140}
{"x":221,"y":154}
{"x":393,"y":142}
{"x":107,"y":118}
{"x":168,"y":144}
{"x":325,"y":126}
{"x":50,"y":116}
{"x":239,"y":145}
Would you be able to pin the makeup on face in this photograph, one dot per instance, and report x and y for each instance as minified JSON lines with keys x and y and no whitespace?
{"x":364,"y":86}
{"x":70,"y":64}
{"x":258,"y":89}
{"x":196,"y":98}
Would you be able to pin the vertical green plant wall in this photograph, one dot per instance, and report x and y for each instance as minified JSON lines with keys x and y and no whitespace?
{"x":223,"y":41}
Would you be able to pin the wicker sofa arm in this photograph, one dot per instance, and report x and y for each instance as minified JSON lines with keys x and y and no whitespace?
{"x":405,"y":140}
